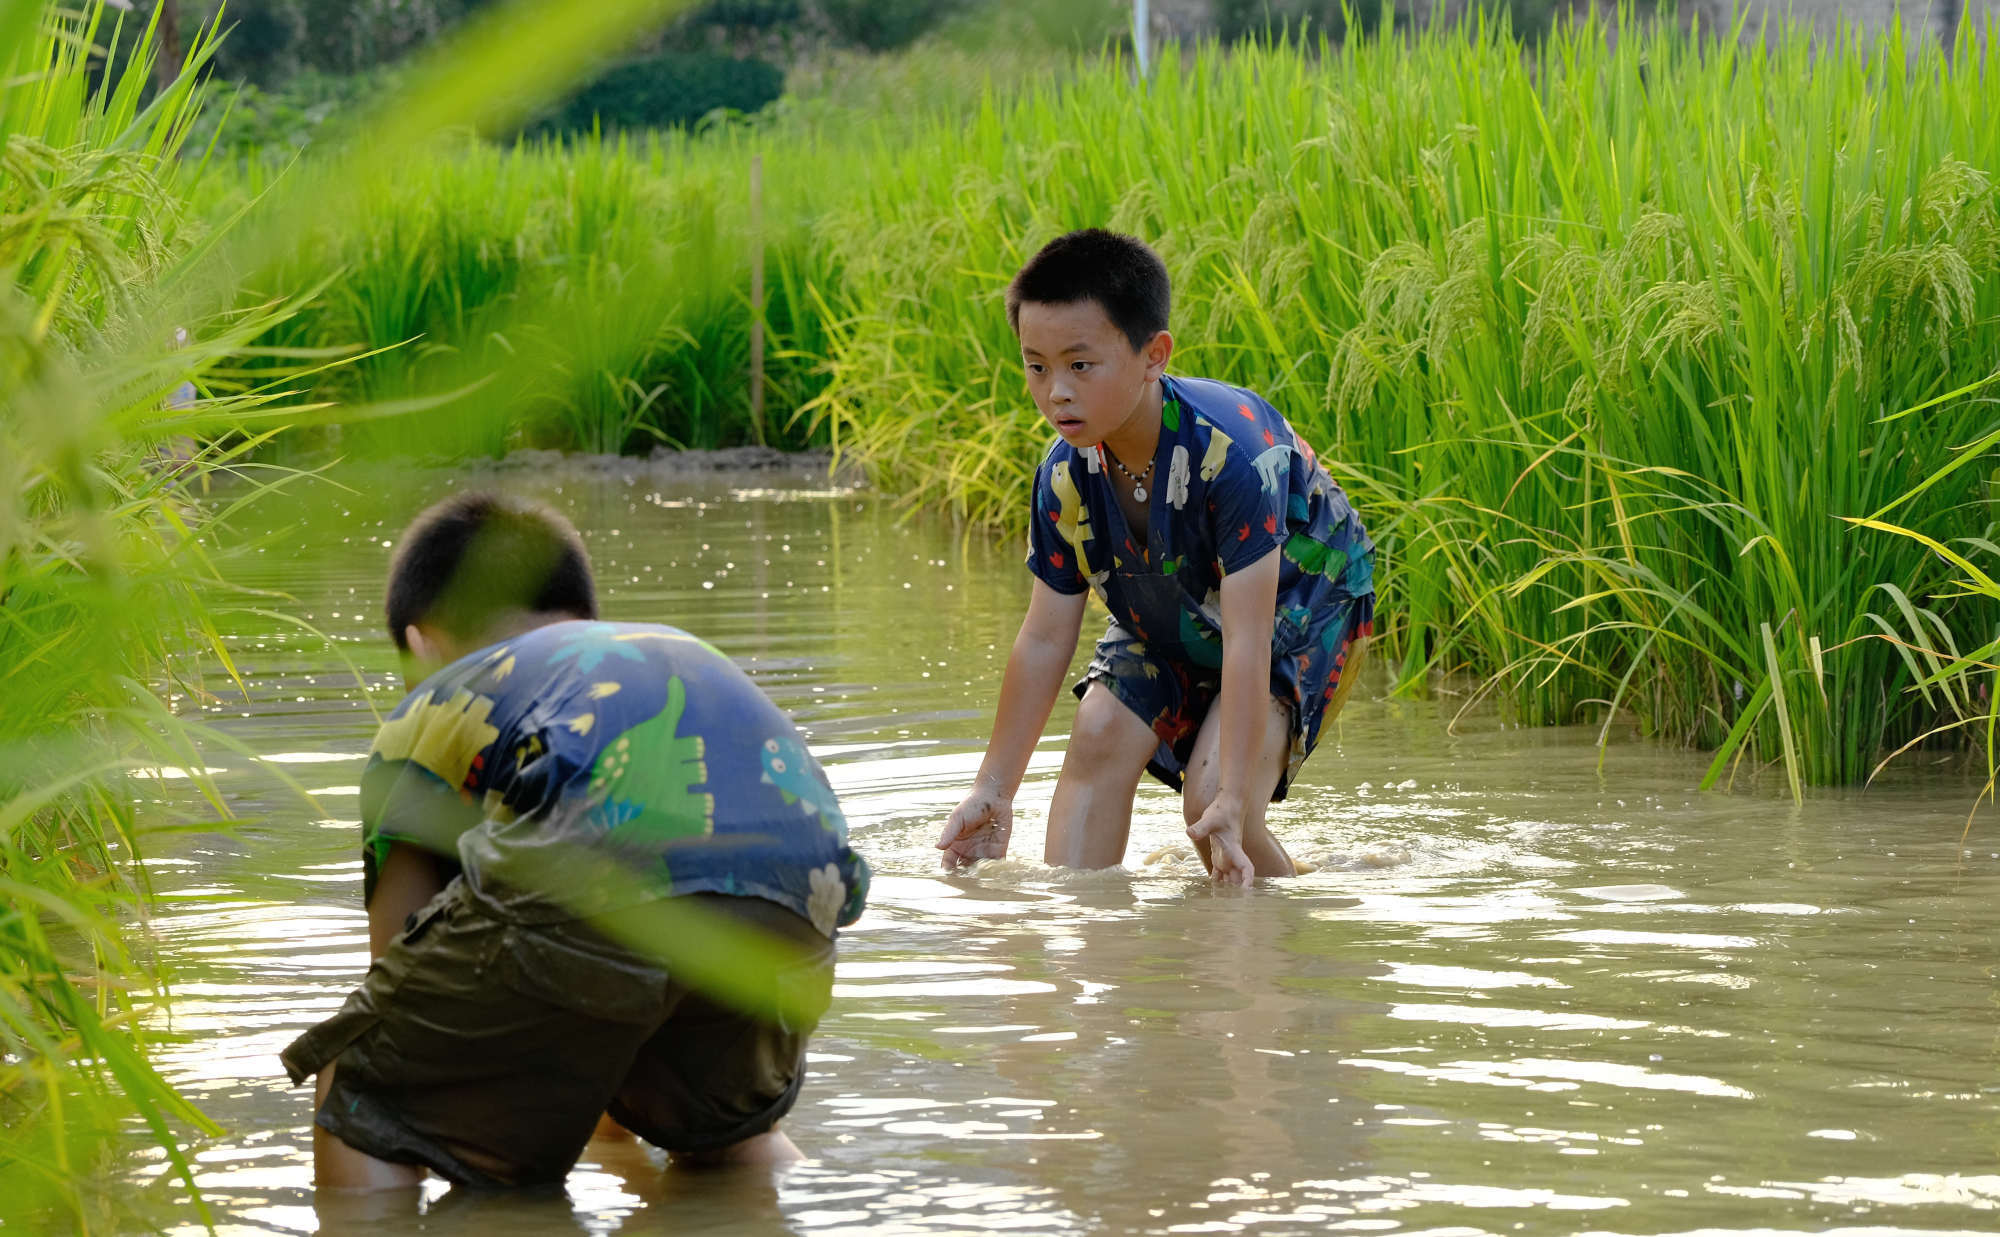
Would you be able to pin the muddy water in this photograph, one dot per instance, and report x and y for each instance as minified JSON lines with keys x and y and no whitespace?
{"x":1521,"y":994}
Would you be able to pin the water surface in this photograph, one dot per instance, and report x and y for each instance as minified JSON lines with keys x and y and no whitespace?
{"x":1521,"y":993}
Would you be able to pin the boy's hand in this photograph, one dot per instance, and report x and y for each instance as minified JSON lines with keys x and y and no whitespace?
{"x":978,"y":829}
{"x":1221,"y":828}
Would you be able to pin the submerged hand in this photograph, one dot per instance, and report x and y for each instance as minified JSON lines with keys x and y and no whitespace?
{"x":1220,"y":833}
{"x":978,"y":829}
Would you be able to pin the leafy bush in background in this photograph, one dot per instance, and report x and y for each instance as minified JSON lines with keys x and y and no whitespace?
{"x":667,"y":91}
{"x":881,"y":25}
{"x":276,"y":122}
{"x":273,"y":38}
{"x":746,"y":14}
{"x":262,"y":44}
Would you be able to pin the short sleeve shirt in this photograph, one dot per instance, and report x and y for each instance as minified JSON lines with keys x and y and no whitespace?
{"x":587,"y":767}
{"x":1232,"y":482}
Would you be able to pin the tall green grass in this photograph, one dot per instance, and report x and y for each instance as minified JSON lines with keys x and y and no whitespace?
{"x":133,"y":371}
{"x":1605,"y":337}
{"x":594,"y":293}
{"x":101,"y":571}
{"x":1608,"y":336}
{"x":599,"y":289}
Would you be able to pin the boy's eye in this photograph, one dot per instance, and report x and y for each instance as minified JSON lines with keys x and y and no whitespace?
{"x":1035,"y":367}
{"x":1079,"y":366}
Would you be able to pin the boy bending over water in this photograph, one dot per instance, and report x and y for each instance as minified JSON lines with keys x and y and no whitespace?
{"x":1239,"y":581}
{"x":601,"y":873}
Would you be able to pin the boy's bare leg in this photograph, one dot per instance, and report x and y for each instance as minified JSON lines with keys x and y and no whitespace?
{"x":1204,"y":779}
{"x":1091,"y":814}
{"x":366,"y":1213}
{"x":769,"y":1148}
{"x":337,"y":1166}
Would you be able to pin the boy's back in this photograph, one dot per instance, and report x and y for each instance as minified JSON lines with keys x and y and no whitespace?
{"x":574,"y":771}
{"x":602,"y":873}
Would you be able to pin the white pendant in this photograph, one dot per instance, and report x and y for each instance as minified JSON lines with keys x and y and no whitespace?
{"x":1138,"y":493}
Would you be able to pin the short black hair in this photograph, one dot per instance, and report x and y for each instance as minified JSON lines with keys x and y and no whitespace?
{"x":1121,"y":273}
{"x":476,"y":556}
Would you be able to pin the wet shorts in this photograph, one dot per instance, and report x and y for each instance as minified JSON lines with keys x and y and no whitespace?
{"x":1311,"y":676}
{"x":486,"y":1050}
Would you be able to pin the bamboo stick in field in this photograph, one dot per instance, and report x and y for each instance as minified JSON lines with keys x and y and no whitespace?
{"x":757,"y":298}
{"x":1142,"y":52}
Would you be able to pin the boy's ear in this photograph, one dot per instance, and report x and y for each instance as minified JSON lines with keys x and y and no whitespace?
{"x":425,"y":645}
{"x":1156,"y":352}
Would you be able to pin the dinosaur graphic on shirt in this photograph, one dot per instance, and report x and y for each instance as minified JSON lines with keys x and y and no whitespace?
{"x":1178,"y":474}
{"x":1271,"y":467}
{"x":443,"y":736}
{"x":1201,"y":647}
{"x":588,"y":646}
{"x":1217,"y":453}
{"x":1314,"y":557}
{"x":643,"y":782}
{"x":1072,"y":517}
{"x":788,"y":766}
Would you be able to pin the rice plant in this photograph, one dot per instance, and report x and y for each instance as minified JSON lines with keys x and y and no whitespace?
{"x":100,"y":579}
{"x":1606,"y":336}
{"x":132,"y":372}
{"x":603,"y":282}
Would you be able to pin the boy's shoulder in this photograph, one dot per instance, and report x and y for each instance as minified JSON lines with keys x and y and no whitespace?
{"x":1216,"y":402}
{"x":539,"y":663}
{"x":1214,"y":417}
{"x":579,"y":686}
{"x":591,"y":641}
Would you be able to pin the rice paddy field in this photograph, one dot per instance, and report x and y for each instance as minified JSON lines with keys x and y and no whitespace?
{"x":1613,"y":339}
{"x":1662,"y":364}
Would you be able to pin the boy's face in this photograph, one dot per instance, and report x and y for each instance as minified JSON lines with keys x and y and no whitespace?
{"x":1083,"y":373}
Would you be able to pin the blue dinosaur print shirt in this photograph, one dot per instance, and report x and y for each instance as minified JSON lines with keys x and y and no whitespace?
{"x":586,"y":767}
{"x":1232,"y":482}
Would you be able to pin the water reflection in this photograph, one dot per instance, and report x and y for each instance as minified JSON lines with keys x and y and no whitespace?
{"x":1518,"y":993}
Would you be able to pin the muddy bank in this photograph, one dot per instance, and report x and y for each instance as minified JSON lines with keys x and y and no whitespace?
{"x":765,"y":464}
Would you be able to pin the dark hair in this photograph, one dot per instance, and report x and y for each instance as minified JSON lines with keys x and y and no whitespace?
{"x":473,"y":557}
{"x":1121,"y":273}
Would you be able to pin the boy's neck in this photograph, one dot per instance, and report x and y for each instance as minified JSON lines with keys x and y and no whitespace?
{"x":1135,"y":441}
{"x":439,"y":649}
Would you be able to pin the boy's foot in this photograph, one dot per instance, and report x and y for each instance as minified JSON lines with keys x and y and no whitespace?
{"x":608,"y":1127}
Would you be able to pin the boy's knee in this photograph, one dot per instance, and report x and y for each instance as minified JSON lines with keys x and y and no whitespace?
{"x":1105,"y":729}
{"x":1195,"y":799}
{"x":1199,"y":783}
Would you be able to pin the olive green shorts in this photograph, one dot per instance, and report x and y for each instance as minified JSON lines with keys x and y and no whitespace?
{"x":486,"y":1050}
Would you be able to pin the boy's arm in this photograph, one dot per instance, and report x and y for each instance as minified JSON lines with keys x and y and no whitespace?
{"x":406,"y":881}
{"x":1042,"y":651}
{"x":400,"y":887}
{"x":1249,"y":608}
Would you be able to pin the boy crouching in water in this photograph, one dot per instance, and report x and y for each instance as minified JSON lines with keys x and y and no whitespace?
{"x":601,"y":871}
{"x":1239,"y":581}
